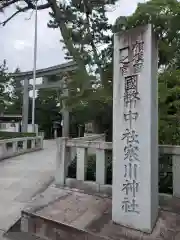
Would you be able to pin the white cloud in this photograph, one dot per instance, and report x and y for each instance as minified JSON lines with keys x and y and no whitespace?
{"x":21,"y":44}
{"x":17,"y":38}
{"x":123,"y":9}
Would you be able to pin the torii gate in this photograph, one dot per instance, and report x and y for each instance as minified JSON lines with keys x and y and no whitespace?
{"x":58,"y":71}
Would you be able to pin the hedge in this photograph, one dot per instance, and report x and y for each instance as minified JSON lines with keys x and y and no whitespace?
{"x":7,"y":135}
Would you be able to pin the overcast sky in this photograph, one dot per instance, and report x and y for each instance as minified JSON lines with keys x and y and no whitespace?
{"x":17,"y":38}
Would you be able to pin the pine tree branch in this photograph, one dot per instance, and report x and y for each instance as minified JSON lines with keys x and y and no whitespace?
{"x":58,"y":15}
{"x":20,"y":10}
{"x":97,"y":60}
{"x":13,"y":15}
{"x":33,"y":6}
{"x":6,"y":4}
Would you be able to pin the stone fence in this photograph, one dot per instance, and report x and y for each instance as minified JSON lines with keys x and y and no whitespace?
{"x":64,"y":158}
{"x":87,"y":137}
{"x":17,"y":146}
{"x":91,"y":137}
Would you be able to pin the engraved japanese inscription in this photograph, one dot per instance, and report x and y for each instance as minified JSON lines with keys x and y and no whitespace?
{"x":131,"y":63}
{"x":138,"y":56}
{"x":131,"y":91}
{"x":124,"y":62}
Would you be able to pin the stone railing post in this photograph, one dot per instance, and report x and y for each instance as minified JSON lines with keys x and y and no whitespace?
{"x":33,"y":143}
{"x":41,"y":134}
{"x":15,"y":147}
{"x":4,"y":149}
{"x":61,"y":161}
{"x":81,"y":164}
{"x":24,"y":145}
{"x":100,"y":166}
{"x":1,"y":150}
{"x":41,"y":141}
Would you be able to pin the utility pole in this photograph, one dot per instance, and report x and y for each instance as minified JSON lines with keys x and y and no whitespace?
{"x":34,"y":69}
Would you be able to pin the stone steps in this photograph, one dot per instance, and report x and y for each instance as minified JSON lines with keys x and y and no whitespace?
{"x":65,"y":214}
{"x":51,"y":230}
{"x":21,"y":236}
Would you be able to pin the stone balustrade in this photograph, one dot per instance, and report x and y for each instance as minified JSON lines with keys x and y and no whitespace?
{"x":17,"y":146}
{"x":87,"y":137}
{"x":173,"y":151}
{"x":82,"y":146}
{"x":91,"y":137}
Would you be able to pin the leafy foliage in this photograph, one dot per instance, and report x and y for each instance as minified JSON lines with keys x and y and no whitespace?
{"x":4,"y":79}
{"x":164,"y":15}
{"x":84,"y":29}
{"x":169,"y":107}
{"x":7,"y":135}
{"x":47,"y":111}
{"x":15,"y":107}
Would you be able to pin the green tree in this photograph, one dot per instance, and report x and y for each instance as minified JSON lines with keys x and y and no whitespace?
{"x":84,"y":29}
{"x":169,"y":107}
{"x":47,"y":110}
{"x":164,"y":15}
{"x":16,"y":101}
{"x":83,"y":26}
{"x":4,"y":80}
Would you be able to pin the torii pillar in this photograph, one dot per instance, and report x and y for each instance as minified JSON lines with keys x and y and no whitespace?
{"x":25,"y":109}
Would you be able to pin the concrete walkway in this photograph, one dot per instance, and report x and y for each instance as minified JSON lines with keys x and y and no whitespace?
{"x":21,"y":178}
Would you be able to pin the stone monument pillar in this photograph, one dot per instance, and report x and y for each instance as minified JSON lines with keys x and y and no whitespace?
{"x":135,"y":129}
{"x":25,"y":106}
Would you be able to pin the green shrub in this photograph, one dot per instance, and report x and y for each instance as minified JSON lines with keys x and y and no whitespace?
{"x":7,"y":135}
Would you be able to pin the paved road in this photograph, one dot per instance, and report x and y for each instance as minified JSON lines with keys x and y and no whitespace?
{"x":21,"y":178}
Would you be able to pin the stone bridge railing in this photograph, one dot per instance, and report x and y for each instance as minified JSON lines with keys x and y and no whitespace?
{"x":87,"y":137}
{"x":17,"y":146}
{"x":102,"y":150}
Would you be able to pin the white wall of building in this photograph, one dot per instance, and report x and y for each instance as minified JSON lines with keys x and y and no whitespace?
{"x":30,"y":128}
{"x":9,"y":127}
